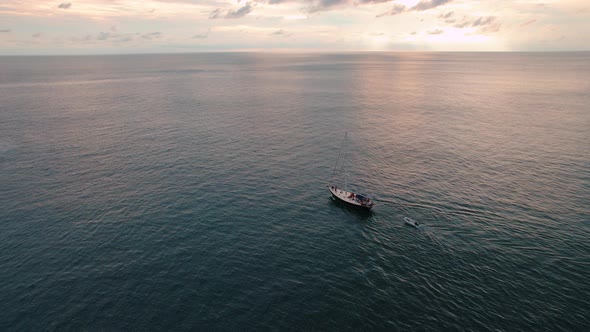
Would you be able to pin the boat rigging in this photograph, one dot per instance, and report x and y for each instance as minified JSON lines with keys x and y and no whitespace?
{"x":343,"y":194}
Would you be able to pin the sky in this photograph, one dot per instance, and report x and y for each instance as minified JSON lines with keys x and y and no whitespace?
{"x":30,"y":27}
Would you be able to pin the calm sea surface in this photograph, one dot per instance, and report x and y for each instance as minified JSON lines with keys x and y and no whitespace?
{"x":188,"y":192}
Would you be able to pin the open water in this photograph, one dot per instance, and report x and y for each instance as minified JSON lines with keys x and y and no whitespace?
{"x":188,"y":192}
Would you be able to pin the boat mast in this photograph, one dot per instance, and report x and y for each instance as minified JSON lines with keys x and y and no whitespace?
{"x":344,"y":168}
{"x":340,"y":162}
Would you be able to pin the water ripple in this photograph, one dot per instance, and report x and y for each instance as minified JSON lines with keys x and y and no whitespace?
{"x":192,"y":195}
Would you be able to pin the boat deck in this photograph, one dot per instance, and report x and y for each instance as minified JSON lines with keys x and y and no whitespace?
{"x":350,"y":197}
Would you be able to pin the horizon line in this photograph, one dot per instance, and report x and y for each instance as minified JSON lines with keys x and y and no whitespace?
{"x":286,"y":51}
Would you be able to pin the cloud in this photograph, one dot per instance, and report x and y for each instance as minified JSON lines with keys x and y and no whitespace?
{"x":216,"y":14}
{"x":4,"y":30}
{"x":313,"y":6}
{"x":397,"y":9}
{"x":151,"y":35}
{"x":65,"y":5}
{"x":36,"y":35}
{"x":529,"y":22}
{"x":116,"y":38}
{"x":281,"y":33}
{"x":483,"y":20}
{"x":446,"y":16}
{"x":420,"y":6}
{"x":202,"y":35}
{"x":320,"y":5}
{"x":490,"y":28}
{"x":103,"y":35}
{"x":429,"y":4}
{"x":241,"y":12}
{"x":229,"y":14}
{"x":435,"y":32}
{"x":485,"y":24}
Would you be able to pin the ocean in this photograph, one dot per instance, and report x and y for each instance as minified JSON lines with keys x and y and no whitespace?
{"x":188,"y":192}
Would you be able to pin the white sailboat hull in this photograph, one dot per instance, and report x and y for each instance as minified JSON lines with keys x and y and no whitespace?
{"x":350,"y":197}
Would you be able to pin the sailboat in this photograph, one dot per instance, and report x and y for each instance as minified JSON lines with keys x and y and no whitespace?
{"x":343,"y":194}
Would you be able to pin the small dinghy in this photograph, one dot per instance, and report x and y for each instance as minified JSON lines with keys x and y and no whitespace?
{"x":411,"y":222}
